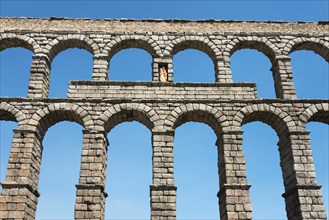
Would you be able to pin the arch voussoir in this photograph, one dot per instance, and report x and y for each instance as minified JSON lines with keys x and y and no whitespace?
{"x":196,"y":42}
{"x":62,"y":43}
{"x":317,"y":112}
{"x":119,"y":113}
{"x":51,"y":114}
{"x":261,"y":44}
{"x":14,"y":40}
{"x":316,"y":45}
{"x":11,"y":113}
{"x":100,"y":104}
{"x":198,"y":113}
{"x":135,"y":41}
{"x":278,"y":119}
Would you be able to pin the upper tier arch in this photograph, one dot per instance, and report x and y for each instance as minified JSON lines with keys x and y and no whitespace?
{"x":316,"y":45}
{"x":10,"y":113}
{"x":193,"y":42}
{"x":14,"y":40}
{"x":125,"y":42}
{"x":317,"y":112}
{"x":70,"y":41}
{"x":262,"y":44}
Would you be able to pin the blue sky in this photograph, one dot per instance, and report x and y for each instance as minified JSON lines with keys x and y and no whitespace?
{"x":129,"y":163}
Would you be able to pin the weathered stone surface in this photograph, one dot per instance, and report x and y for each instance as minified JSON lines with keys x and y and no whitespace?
{"x":99,"y":105}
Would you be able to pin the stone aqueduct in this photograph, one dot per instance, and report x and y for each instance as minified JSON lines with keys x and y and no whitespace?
{"x":100,"y":104}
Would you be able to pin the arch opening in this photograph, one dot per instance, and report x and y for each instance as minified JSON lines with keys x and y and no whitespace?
{"x":196,"y":172}
{"x":197,"y":113}
{"x":251,"y":65}
{"x":268,"y":51}
{"x":119,"y":44}
{"x":7,"y":116}
{"x":131,"y":64}
{"x":16,"y":42}
{"x":310,"y":74}
{"x":277,"y":119}
{"x":127,"y":113}
{"x":316,"y":47}
{"x":192,"y":65}
{"x":15,"y":71}
{"x":263,"y":171}
{"x":60,"y":45}
{"x":200,"y":45}
{"x":59,"y":171}
{"x":71,"y":64}
{"x":129,"y":172}
{"x":55,"y":117}
{"x":320,"y":116}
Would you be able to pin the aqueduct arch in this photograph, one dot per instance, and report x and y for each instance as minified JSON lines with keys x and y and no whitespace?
{"x":100,"y":104}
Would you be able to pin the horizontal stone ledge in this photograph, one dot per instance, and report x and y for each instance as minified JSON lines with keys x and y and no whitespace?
{"x":15,"y":185}
{"x":281,"y":58}
{"x":306,"y":132}
{"x":41,"y":56}
{"x":224,"y":187}
{"x":26,"y":131}
{"x":235,"y":186}
{"x":300,"y":187}
{"x":90,"y":186}
{"x":232,"y":132}
{"x":162,"y":187}
{"x":161,"y":91}
{"x":94,"y":132}
{"x":37,"y":101}
{"x":172,"y":27}
{"x":168,"y":33}
{"x":157,"y":83}
{"x":164,"y":132}
{"x":179,"y":20}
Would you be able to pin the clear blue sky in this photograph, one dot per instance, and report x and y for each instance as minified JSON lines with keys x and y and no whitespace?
{"x":129,"y":164}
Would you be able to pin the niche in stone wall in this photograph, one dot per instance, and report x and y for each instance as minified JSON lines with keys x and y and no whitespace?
{"x":163,"y":72}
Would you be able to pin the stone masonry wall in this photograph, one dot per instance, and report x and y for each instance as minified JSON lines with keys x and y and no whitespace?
{"x":161,"y":105}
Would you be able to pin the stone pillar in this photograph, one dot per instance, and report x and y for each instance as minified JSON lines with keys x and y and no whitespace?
{"x":223,"y":70}
{"x":40,"y":76}
{"x":19,"y":195}
{"x":163,"y":190}
{"x":162,"y":62}
{"x":90,"y":199}
{"x":100,"y":68}
{"x":234,"y":199}
{"x":302,"y":195}
{"x":18,"y":201}
{"x":282,"y":75}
